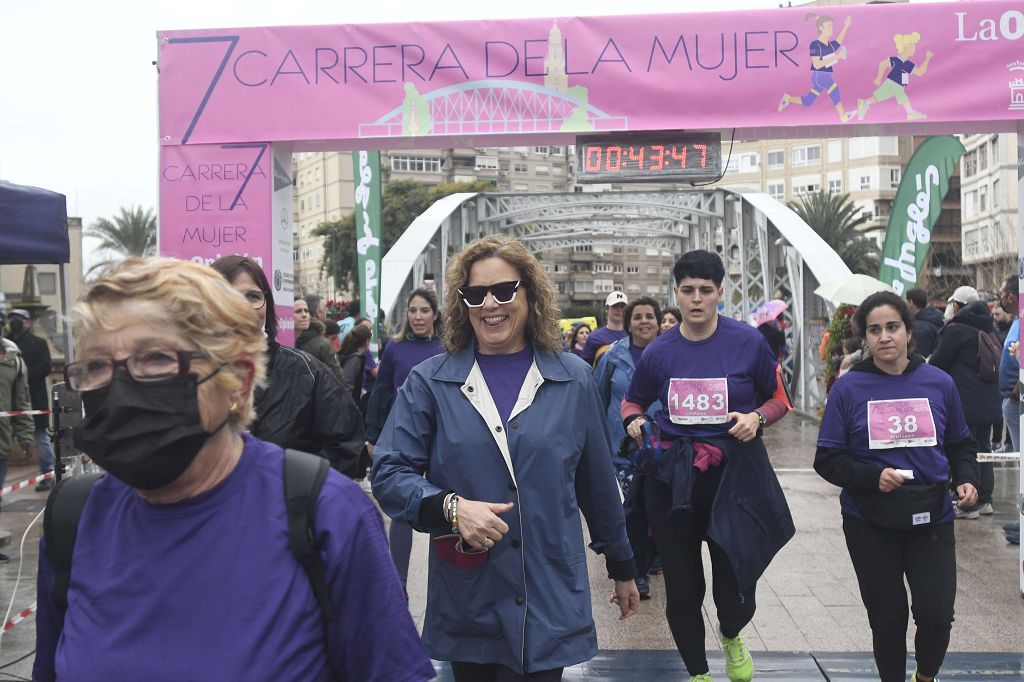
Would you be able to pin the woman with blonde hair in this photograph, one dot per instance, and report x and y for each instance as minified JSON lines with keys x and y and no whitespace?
{"x":183,"y":567}
{"x":494,"y":448}
{"x":900,"y":69}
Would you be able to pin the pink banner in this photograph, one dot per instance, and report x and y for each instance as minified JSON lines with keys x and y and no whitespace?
{"x":343,"y":86}
{"x":215,"y":200}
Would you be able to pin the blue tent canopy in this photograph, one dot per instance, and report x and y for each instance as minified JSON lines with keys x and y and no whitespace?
{"x":33,"y":225}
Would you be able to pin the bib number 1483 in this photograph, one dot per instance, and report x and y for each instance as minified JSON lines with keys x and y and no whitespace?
{"x":698,"y":401}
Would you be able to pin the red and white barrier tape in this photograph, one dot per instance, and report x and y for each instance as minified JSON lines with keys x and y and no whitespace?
{"x":20,"y":617}
{"x":23,"y":484}
{"x":23,"y":413}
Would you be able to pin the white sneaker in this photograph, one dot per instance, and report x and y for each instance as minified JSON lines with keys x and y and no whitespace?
{"x":985,"y":509}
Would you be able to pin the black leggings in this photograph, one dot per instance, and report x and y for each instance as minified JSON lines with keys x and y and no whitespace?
{"x":927,"y":557}
{"x":679,"y":537}
{"x":981,"y":433}
{"x":492,"y":672}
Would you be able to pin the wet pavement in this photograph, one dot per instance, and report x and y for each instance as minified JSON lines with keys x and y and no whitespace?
{"x":810,"y":623}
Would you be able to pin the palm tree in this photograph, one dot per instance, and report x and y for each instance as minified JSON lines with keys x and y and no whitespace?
{"x":132,"y":232}
{"x":837,"y":220}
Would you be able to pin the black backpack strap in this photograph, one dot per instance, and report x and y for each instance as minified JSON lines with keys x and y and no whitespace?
{"x":60,"y":529}
{"x":304,"y":476}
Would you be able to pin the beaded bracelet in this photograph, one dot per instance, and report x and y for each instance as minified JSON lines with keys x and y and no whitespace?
{"x":446,"y":508}
{"x":455,"y":513}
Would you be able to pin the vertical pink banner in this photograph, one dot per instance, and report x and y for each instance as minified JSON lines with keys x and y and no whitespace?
{"x":216,"y":200}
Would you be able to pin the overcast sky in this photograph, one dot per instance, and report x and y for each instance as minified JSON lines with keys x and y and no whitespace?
{"x":78,"y":91}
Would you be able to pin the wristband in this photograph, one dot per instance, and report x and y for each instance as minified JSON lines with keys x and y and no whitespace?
{"x":632,"y":418}
{"x":761,"y":421}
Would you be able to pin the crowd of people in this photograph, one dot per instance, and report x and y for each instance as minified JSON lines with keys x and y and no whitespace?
{"x":486,"y":427}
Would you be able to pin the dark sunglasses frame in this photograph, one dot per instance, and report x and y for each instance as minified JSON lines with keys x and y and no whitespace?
{"x":479,"y":293}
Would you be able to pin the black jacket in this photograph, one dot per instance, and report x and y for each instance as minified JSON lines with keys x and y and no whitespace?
{"x":927,"y":325}
{"x":846,"y":470}
{"x":36,"y":354}
{"x":305,"y":408}
{"x":957,"y":354}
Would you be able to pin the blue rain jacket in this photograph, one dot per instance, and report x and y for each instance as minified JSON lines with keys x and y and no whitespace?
{"x":613,"y":373}
{"x":528,"y":606}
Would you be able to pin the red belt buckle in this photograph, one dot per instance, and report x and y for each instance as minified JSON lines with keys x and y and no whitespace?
{"x":452,"y":549}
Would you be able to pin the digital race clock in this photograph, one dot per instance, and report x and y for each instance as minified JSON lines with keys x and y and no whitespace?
{"x":649,"y":157}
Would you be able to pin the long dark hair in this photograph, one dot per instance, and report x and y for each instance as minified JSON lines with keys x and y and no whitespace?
{"x":354,"y":340}
{"x":877,"y":300}
{"x":431,"y":298}
{"x":576,"y":334}
{"x":230,"y":267}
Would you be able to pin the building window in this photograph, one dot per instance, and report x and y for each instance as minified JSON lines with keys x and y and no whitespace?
{"x":835,"y":151}
{"x":970,"y":164}
{"x":835,"y":186}
{"x":542,"y":150}
{"x":519,"y":187}
{"x":983,"y":156}
{"x":805,"y":156}
{"x":652,"y":269}
{"x":415,"y":164}
{"x":995,"y":194}
{"x":542,"y":169}
{"x":520,"y":168}
{"x":633,"y":288}
{"x":970,"y":201}
{"x":486,"y":163}
{"x":983,"y":198}
{"x":653,"y":289}
{"x":542,"y":187}
{"x":749,"y":162}
{"x":561,"y":267}
{"x":776,"y":159}
{"x":865,"y":182}
{"x":318,"y":199}
{"x":632,"y":269}
{"x":806,"y":188}
{"x":777,"y":190}
{"x":894,"y":177}
{"x":561,"y":287}
{"x":583,"y":248}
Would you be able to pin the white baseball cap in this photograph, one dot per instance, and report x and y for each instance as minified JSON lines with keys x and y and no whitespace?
{"x":617,"y":297}
{"x":964,"y":295}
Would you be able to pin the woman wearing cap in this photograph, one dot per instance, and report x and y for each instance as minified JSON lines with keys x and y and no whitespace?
{"x":494,"y":448}
{"x":718,"y":385}
{"x":892,"y":436}
{"x":183,"y":569}
{"x":613,"y":373}
{"x":614,"y":329}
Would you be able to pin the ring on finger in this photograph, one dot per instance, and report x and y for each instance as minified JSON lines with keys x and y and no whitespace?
{"x":488,"y":542}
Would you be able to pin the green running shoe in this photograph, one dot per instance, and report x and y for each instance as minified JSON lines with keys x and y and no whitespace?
{"x":738,"y":663}
{"x":913,"y":678}
{"x":704,"y":677}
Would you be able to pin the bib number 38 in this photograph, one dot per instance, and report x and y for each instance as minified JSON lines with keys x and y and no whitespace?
{"x":907,"y":422}
{"x":698,"y":401}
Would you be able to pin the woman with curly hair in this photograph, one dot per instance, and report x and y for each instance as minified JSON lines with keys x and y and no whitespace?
{"x":494,"y":448}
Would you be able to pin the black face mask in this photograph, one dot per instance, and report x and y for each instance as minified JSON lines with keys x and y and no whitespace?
{"x":145,"y":434}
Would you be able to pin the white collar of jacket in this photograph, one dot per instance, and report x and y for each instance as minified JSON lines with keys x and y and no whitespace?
{"x":461,"y":367}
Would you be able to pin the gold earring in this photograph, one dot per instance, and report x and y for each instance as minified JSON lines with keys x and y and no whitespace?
{"x":234,"y":407}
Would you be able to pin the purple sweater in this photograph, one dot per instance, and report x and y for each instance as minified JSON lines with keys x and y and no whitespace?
{"x":400,"y":357}
{"x":504,"y":375}
{"x":209,"y":589}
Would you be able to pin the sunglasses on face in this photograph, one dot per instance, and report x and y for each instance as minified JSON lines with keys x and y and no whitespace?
{"x":502,"y":293}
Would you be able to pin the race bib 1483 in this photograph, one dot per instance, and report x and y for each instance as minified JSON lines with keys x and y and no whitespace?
{"x":698,"y":401}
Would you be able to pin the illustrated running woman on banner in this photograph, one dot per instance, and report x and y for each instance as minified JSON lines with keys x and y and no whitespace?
{"x":900,"y":69}
{"x":825,"y":53}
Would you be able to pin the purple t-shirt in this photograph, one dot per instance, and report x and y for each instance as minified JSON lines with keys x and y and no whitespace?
{"x":369,"y":364}
{"x":504,"y":375}
{"x":736,"y":352}
{"x":401,"y":356}
{"x":635,"y":352}
{"x":901,"y":70}
{"x":844,"y":425}
{"x":209,"y":589}
{"x":602,"y":336}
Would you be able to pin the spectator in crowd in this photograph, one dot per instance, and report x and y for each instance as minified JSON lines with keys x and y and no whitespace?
{"x":350,"y":320}
{"x":957,"y":355}
{"x":1003,"y":319}
{"x":36,"y":354}
{"x":578,"y":338}
{"x":852,"y":354}
{"x":1009,"y":365}
{"x":302,"y":405}
{"x":613,"y":330}
{"x":351,"y":357}
{"x":317,"y":311}
{"x":670,"y":317}
{"x":332,"y":333}
{"x":14,"y":396}
{"x":927,"y":321}
{"x":309,"y":337}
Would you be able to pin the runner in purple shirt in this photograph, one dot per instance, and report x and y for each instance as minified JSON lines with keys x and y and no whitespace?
{"x":614,"y":329}
{"x":892,"y":435}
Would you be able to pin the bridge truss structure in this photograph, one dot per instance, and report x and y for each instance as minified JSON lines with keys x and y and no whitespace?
{"x":768,"y":251}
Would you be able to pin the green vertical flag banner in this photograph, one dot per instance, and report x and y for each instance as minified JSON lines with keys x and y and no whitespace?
{"x":916,"y":208}
{"x":366,"y":172}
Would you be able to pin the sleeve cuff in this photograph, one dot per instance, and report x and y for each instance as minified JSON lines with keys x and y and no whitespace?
{"x":432,"y":511}
{"x":621,"y":570}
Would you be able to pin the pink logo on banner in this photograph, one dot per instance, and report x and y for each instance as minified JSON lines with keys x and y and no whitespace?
{"x":903,"y":423}
{"x":339,"y":86}
{"x":698,"y":401}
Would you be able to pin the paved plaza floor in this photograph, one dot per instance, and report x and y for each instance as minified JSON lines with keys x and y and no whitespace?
{"x":810,"y":623}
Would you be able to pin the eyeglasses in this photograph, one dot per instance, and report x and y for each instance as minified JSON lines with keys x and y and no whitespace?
{"x":257,"y":299}
{"x":502,"y":293}
{"x":145,"y":366}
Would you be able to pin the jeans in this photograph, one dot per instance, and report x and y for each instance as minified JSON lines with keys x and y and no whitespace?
{"x":981,"y":434}
{"x":400,"y":544}
{"x":1011,"y":415}
{"x":44,"y":450}
{"x":926,"y":557}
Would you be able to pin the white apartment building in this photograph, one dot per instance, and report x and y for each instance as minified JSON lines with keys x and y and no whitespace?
{"x":988,"y":177}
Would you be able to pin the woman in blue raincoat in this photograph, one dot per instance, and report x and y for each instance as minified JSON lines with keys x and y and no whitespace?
{"x":494,"y":448}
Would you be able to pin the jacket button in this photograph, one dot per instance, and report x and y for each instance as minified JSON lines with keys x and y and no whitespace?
{"x":515,"y":427}
{"x":519,"y":600}
{"x":512,"y":487}
{"x":469,"y":388}
{"x":498,"y":429}
{"x":515,"y":544}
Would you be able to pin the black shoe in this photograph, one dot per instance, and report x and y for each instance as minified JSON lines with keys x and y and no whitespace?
{"x":656,"y":568}
{"x":4,"y":558}
{"x":44,"y":485}
{"x":643,"y":586}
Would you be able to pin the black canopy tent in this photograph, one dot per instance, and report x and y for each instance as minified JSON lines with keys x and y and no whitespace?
{"x":34,"y":230}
